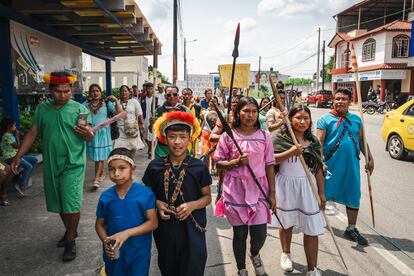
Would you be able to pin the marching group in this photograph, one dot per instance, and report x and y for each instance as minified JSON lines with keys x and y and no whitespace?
{"x":249,"y":147}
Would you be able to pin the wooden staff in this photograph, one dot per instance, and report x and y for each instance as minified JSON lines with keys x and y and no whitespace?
{"x":361,"y":114}
{"x":266,"y":105}
{"x":305,"y":167}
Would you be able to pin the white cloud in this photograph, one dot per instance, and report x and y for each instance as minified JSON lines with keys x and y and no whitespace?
{"x":246,"y":24}
{"x":308,"y":8}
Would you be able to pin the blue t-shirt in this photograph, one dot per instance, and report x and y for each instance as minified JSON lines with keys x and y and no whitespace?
{"x":121,"y":214}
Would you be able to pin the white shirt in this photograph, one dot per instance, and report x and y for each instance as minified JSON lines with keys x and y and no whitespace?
{"x":160,"y":97}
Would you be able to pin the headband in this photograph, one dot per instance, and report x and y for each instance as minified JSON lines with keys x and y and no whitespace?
{"x":122,"y":157}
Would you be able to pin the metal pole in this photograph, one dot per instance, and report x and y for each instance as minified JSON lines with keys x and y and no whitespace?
{"x":404,"y":10}
{"x":317,"y":63}
{"x":258,"y":82}
{"x":185,"y":61}
{"x":323,"y":65}
{"x":175,"y":44}
{"x":108,"y":77}
{"x":154,"y":71}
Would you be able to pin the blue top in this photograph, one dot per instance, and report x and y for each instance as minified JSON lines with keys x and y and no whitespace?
{"x":121,"y":214}
{"x":341,"y":150}
{"x":204,"y":103}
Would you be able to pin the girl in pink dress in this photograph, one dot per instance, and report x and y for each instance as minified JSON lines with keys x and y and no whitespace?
{"x":242,"y":202}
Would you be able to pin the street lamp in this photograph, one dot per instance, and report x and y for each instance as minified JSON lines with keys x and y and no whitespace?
{"x":185,"y":58}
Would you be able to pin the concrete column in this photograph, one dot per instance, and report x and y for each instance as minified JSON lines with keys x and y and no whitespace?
{"x":411,"y":92}
{"x":8,"y":93}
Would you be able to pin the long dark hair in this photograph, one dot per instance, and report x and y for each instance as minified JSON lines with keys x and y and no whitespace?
{"x":5,"y":124}
{"x":261,"y":102}
{"x":298,"y":108}
{"x":242,"y":103}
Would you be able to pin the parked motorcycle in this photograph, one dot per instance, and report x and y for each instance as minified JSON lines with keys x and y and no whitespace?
{"x":371,"y":107}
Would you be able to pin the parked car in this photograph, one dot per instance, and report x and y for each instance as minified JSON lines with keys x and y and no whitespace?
{"x":322,"y":98}
{"x":398,"y":130}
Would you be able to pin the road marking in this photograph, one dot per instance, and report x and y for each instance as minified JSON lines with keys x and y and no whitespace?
{"x":400,"y":266}
{"x":380,"y":249}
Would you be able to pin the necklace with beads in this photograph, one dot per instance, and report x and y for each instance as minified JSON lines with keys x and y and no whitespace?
{"x":170,"y":176}
{"x":94,"y":108}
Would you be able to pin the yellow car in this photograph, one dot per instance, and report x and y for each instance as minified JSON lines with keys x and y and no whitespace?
{"x":398,"y":130}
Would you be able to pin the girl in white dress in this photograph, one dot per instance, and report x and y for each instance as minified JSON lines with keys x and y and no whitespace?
{"x":296,"y":202}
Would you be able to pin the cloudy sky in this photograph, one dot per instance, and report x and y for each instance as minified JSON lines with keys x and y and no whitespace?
{"x":282,"y":32}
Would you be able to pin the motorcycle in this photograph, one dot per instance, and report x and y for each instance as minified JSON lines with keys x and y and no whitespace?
{"x":371,"y":107}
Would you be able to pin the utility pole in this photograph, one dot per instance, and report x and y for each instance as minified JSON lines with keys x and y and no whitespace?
{"x":258,"y":78}
{"x":317,"y":63}
{"x":185,"y":61}
{"x":175,"y":43}
{"x":323,"y":65}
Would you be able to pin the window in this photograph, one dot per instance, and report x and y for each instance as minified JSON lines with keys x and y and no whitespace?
{"x":368,"y":50}
{"x":410,"y":111}
{"x":400,"y":45}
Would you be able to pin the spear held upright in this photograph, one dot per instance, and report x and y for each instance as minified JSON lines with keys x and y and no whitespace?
{"x":233,"y":68}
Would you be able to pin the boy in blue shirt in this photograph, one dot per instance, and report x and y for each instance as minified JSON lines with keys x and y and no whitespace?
{"x":126,"y":217}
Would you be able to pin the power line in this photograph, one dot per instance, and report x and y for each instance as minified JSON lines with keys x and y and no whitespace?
{"x":291,"y":48}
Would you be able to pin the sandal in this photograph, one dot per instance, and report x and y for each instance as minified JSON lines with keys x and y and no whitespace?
{"x":95,"y":184}
{"x":20,"y":191}
{"x":101,"y":178}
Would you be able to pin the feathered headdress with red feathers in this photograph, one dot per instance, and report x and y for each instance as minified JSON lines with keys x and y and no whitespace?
{"x":176,"y":118}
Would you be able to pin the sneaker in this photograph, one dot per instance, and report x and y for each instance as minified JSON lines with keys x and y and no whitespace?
{"x":69,"y":254}
{"x":286,"y":262}
{"x":354,"y":235}
{"x":242,"y":272}
{"x":258,"y":265}
{"x":314,"y":272}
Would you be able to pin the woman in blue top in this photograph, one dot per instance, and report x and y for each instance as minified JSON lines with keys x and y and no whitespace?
{"x":100,"y":146}
{"x":126,"y":217}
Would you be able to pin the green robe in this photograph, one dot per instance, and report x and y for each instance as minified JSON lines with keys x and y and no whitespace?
{"x":64,"y":155}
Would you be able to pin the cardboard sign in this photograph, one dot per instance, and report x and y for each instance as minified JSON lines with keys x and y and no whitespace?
{"x":241,"y":75}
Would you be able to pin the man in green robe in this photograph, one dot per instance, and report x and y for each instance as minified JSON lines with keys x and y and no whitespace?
{"x":64,"y":137}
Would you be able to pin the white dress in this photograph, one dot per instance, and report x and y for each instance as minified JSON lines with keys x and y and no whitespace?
{"x":296,"y":203}
{"x":133,"y":108}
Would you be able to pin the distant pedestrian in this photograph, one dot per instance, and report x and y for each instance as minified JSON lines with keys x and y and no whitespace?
{"x":340,"y":133}
{"x":160,"y":94}
{"x":242,"y":202}
{"x":10,"y":144}
{"x":208,"y":94}
{"x":130,"y":128}
{"x":196,"y":110}
{"x":125,"y":217}
{"x":274,"y":117}
{"x":100,"y":146}
{"x":64,"y":126}
{"x":296,"y":202}
{"x":181,"y":185}
{"x":263,"y":112}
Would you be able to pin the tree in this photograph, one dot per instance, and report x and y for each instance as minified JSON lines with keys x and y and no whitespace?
{"x":298,"y":81}
{"x":327,"y":70}
{"x":159,"y":75}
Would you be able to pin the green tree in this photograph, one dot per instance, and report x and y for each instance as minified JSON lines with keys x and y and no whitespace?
{"x":327,"y":70}
{"x":159,"y":75}
{"x":298,"y":81}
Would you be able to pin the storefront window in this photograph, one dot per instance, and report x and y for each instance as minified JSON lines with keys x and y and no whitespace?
{"x":400,"y":45}
{"x":368,"y":50}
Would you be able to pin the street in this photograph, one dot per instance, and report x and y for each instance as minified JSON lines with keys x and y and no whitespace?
{"x":29,"y":233}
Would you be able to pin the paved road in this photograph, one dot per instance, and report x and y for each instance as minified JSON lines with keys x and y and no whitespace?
{"x":29,"y":233}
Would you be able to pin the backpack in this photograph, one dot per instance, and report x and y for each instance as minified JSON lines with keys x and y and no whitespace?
{"x":114,"y":125}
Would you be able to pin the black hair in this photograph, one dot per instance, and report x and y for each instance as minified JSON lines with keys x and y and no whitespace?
{"x":242,"y":103}
{"x":280,"y":85}
{"x":344,"y":91}
{"x":178,"y":127}
{"x":94,"y":85}
{"x":122,"y":151}
{"x":135,"y":86}
{"x":298,"y":108}
{"x":208,"y":89}
{"x":261,"y":102}
{"x":172,"y":86}
{"x":188,"y":89}
{"x":147,"y":84}
{"x":123,"y":86}
{"x":52,"y":86}
{"x":5,"y":124}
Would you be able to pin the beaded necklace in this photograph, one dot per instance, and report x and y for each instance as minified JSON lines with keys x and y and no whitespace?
{"x":95,"y":108}
{"x":169,"y":175}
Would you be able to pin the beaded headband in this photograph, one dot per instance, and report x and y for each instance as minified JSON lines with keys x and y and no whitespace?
{"x":122,"y":157}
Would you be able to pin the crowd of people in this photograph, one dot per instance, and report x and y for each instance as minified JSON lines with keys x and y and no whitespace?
{"x":245,"y":143}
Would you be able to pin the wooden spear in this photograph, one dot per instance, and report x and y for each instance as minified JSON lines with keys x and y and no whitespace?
{"x":305,"y":167}
{"x":361,"y":114}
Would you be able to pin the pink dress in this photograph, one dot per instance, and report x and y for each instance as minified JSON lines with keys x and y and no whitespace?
{"x":242,"y":202}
